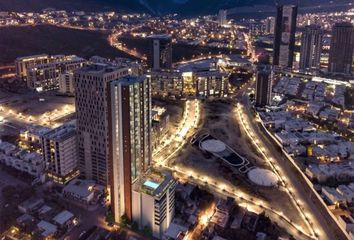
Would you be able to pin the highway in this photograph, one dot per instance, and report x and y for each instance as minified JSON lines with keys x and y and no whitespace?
{"x":303,"y":199}
{"x":113,"y":41}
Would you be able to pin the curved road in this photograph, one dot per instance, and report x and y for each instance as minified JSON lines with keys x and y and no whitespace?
{"x":314,"y":213}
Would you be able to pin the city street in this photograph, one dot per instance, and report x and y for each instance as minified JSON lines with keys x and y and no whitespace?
{"x":174,"y":145}
{"x":302,"y":198}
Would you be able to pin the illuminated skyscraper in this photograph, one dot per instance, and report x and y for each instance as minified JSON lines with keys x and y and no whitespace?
{"x":263,"y":86}
{"x":269,"y":25}
{"x":91,"y":85}
{"x":130,"y":139}
{"x":284,"y":41}
{"x":160,"y":52}
{"x":341,"y":51}
{"x":222,"y":17}
{"x":311,"y":47}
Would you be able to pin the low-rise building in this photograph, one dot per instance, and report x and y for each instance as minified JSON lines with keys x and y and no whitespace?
{"x":64,"y":219}
{"x":346,"y":192}
{"x":333,"y":196}
{"x":329,"y":114}
{"x":175,"y":231}
{"x":82,"y":191}
{"x":22,"y":160}
{"x":339,"y":171}
{"x":346,"y":222}
{"x":154,"y":202}
{"x":222,"y":214}
{"x":47,"y":229}
{"x":30,"y":205}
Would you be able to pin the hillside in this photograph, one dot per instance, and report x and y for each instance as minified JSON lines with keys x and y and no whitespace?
{"x":156,"y":7}
{"x":22,"y":41}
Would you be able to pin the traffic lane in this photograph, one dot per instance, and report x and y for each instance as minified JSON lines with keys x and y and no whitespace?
{"x":320,"y":218}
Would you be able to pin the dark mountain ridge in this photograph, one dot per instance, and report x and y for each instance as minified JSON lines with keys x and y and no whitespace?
{"x":155,"y":7}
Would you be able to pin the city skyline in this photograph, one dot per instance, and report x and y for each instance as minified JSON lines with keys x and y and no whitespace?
{"x":177,"y":120}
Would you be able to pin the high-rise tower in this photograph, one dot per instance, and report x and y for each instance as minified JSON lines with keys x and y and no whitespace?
{"x":341,"y":51}
{"x":130,"y":138}
{"x":91,"y":83}
{"x":160,"y":52}
{"x":284,"y":41}
{"x":263,"y":86}
{"x":311,"y":47}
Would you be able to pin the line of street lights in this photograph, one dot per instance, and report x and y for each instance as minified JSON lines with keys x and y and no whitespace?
{"x":276,"y":169}
{"x":222,"y":187}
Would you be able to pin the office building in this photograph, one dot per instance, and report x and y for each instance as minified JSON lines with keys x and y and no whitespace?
{"x":211,"y":84}
{"x":222,"y":17}
{"x":341,"y":49}
{"x":44,"y":77}
{"x":160,"y":52}
{"x":90,"y":84}
{"x":22,"y":63}
{"x":129,"y":111}
{"x":311,"y":48}
{"x":263,"y":86}
{"x":284,"y":39}
{"x":66,"y":83}
{"x":176,"y":84}
{"x":257,"y":28}
{"x":154,"y":202}
{"x":60,"y":153}
{"x":269,"y":25}
{"x":166,"y":83}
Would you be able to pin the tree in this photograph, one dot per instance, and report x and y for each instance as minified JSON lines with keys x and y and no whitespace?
{"x":109,"y":217}
{"x":147,"y":231}
{"x":135,"y":226}
{"x":123,"y":221}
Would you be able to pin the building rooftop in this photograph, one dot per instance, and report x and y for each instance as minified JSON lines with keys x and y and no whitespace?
{"x":7,"y":147}
{"x":28,"y":58}
{"x":63,"y":217}
{"x":31,"y":203}
{"x":98,"y":68}
{"x":174,"y":230}
{"x":160,"y":36}
{"x":37,"y":129}
{"x":61,"y":133}
{"x":128,"y":80}
{"x":83,"y":188}
{"x":47,"y":228}
{"x":152,"y":183}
